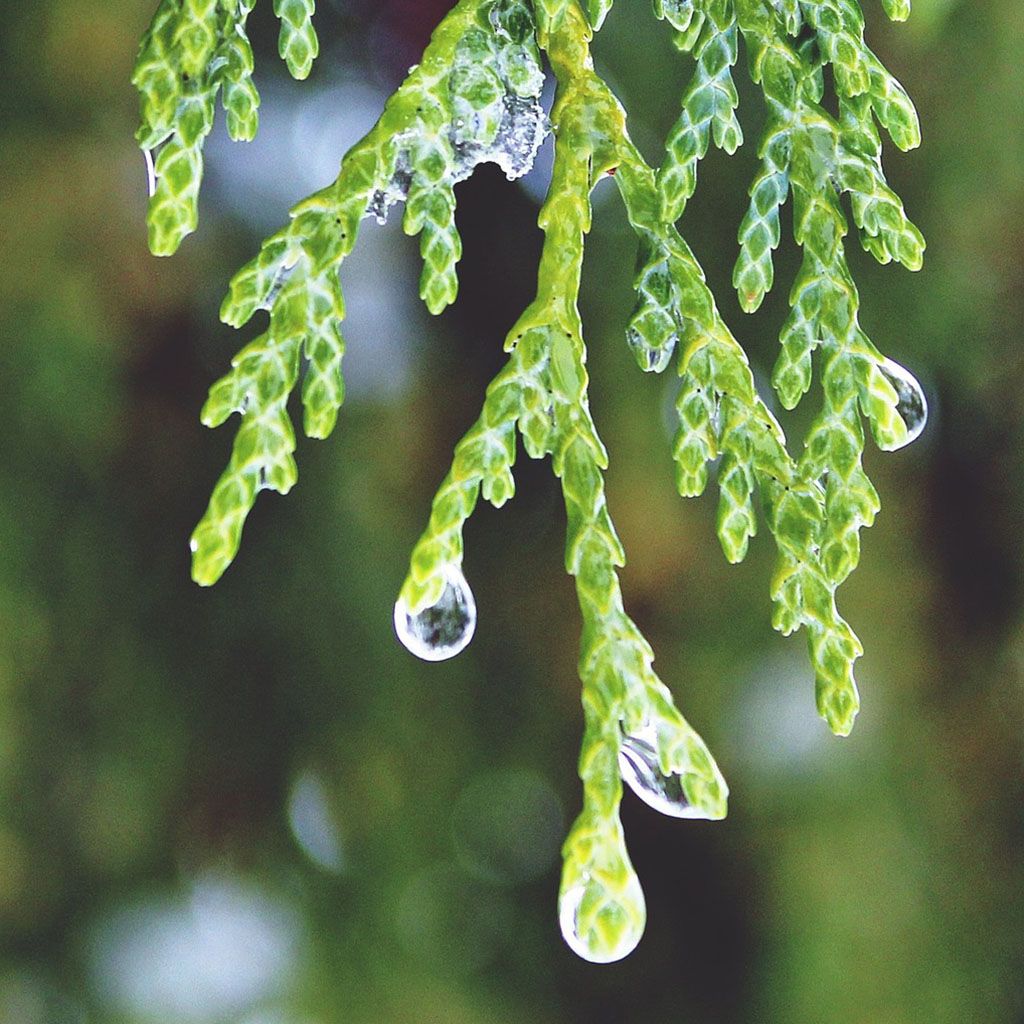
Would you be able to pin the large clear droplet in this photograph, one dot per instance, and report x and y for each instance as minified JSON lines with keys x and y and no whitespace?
{"x":641,"y":771}
{"x":911,"y":405}
{"x":610,"y":933}
{"x":443,"y":629}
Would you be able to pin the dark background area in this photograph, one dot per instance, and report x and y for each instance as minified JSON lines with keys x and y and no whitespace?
{"x":249,"y":805}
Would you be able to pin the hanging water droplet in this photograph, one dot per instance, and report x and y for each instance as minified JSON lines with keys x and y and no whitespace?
{"x":609,"y":933}
{"x":650,"y":358}
{"x":445,"y":628}
{"x":280,"y":280}
{"x":911,"y":405}
{"x":678,"y":12}
{"x":641,"y":771}
{"x":150,"y":172}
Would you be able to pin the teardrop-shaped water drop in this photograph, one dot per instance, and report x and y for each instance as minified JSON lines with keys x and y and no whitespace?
{"x":641,"y":770}
{"x":651,"y":359}
{"x":911,"y":405}
{"x":610,"y":934}
{"x":443,"y":629}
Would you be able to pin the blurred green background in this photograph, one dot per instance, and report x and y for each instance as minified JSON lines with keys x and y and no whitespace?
{"x":249,"y":805}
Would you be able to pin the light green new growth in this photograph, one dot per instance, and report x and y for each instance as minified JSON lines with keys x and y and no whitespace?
{"x":473,"y":98}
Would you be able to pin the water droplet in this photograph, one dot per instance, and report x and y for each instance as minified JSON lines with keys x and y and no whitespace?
{"x":651,"y":359}
{"x":280,"y":280}
{"x":641,"y":771}
{"x":445,"y":628}
{"x":150,"y":172}
{"x":605,"y":933}
{"x":911,"y":404}
{"x":678,"y":12}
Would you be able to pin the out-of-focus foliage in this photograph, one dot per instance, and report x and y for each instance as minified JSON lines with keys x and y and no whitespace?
{"x":161,"y":748}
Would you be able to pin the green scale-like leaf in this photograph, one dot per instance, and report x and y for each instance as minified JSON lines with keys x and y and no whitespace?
{"x":193,"y":50}
{"x":811,"y":153}
{"x":709,"y":109}
{"x":720,"y":414}
{"x":297,"y":43}
{"x":653,"y":329}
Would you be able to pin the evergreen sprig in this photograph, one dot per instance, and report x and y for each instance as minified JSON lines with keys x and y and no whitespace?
{"x":475,"y":98}
{"x":817,"y":507}
{"x":193,"y":51}
{"x":472,"y":98}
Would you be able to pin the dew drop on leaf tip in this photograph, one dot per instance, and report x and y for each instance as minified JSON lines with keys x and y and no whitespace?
{"x":911,"y":404}
{"x":650,"y":358}
{"x":150,"y":172}
{"x":641,"y":771}
{"x":441,"y":630}
{"x":605,"y":934}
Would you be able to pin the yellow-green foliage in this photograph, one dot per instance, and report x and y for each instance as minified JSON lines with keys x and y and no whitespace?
{"x":474,"y":98}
